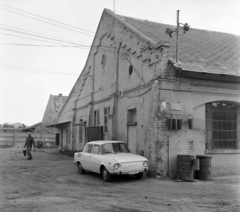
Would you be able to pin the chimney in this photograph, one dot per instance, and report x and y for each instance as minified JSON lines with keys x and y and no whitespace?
{"x":60,"y":94}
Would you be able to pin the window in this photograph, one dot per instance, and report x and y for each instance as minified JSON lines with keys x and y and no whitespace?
{"x":221,"y":124}
{"x":88,"y":148}
{"x":96,"y":149}
{"x":132,"y":116}
{"x":106,"y":114}
{"x":112,"y":148}
{"x":96,"y":118}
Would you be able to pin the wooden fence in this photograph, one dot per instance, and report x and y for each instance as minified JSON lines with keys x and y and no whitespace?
{"x":18,"y":139}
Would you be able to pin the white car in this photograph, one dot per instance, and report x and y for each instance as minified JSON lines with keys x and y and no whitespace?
{"x":110,"y":158}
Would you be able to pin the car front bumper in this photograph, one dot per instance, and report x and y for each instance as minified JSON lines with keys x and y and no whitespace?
{"x":128,"y":172}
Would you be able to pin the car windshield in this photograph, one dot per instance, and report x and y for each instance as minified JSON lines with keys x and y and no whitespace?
{"x":113,"y":148}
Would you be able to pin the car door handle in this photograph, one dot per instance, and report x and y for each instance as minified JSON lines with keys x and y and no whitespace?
{"x":90,"y":156}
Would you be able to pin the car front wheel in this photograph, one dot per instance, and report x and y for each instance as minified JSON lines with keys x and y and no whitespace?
{"x":81,"y":170}
{"x":105,"y":175}
{"x":139,"y":175}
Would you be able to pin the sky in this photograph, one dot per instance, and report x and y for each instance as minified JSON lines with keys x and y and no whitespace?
{"x":44,"y":44}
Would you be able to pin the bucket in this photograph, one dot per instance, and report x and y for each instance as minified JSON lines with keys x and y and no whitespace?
{"x":169,"y":123}
{"x":24,"y":152}
{"x":175,"y":124}
{"x":179,"y":124}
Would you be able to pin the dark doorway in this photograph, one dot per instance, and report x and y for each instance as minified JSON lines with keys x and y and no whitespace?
{"x":57,"y":139}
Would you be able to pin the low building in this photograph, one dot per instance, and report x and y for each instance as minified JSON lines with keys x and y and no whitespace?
{"x":52,"y":110}
{"x":36,"y":128}
{"x":133,"y":89}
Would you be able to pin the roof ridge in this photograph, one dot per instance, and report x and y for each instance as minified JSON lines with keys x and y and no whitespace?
{"x":146,"y":20}
{"x":131,"y":27}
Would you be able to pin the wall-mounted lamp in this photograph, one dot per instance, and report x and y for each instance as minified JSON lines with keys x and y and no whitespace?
{"x":185,"y":27}
{"x":170,"y":32}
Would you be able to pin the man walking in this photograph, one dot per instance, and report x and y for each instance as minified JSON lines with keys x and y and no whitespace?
{"x":29,"y":143}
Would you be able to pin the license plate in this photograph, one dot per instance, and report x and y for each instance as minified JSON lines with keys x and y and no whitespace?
{"x":133,"y":172}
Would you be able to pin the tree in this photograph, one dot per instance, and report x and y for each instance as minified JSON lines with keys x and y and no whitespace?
{"x":7,"y":125}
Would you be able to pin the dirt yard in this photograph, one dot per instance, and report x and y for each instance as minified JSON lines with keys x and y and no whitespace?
{"x":51,"y":183}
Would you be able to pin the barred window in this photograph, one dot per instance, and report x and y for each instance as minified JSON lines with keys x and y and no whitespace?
{"x":222,"y":125}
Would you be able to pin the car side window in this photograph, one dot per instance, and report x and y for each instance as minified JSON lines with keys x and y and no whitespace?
{"x":89,"y":148}
{"x":96,"y":149}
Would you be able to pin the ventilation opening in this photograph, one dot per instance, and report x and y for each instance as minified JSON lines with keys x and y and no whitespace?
{"x":103,"y":61}
{"x":130,"y":70}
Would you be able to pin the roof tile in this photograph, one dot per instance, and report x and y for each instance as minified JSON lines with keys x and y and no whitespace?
{"x":199,"y":50}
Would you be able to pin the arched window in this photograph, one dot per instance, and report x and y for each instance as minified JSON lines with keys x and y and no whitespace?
{"x":222,"y":130}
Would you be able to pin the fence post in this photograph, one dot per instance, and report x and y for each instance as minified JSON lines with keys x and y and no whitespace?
{"x":15,"y":138}
{"x":42,"y":137}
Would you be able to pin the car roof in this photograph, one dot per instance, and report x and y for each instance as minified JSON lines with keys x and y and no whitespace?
{"x":105,"y":142}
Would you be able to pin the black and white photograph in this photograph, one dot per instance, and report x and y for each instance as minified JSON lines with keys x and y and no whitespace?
{"x":119,"y":106}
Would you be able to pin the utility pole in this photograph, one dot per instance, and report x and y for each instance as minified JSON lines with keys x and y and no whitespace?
{"x":169,"y":32}
{"x":177,"y":35}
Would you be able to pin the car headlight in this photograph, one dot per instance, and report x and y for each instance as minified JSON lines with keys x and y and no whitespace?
{"x":145,"y":163}
{"x":116,"y":166}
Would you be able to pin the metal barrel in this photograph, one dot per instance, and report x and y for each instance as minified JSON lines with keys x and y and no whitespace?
{"x":185,"y":167}
{"x":204,"y":173}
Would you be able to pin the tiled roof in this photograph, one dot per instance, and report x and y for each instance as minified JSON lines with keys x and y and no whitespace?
{"x":199,"y":50}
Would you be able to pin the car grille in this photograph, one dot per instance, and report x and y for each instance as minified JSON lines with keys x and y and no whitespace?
{"x":132,"y":166}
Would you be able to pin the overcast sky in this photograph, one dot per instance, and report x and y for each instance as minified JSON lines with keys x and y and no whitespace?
{"x":33,"y":67}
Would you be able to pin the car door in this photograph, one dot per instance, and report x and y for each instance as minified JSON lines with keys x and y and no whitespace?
{"x":96,"y":158}
{"x":86,"y":157}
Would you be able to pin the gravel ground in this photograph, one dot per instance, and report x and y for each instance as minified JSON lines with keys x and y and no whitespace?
{"x":51,"y":183}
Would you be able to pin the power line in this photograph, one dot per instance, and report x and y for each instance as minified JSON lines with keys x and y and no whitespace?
{"x":19,"y":68}
{"x":22,"y":44}
{"x":52,"y":20}
{"x":136,"y":46}
{"x":37,"y":34}
{"x":107,"y":48}
{"x":28,"y":38}
{"x":47,"y":22}
{"x":48,"y":19}
{"x":75,"y":45}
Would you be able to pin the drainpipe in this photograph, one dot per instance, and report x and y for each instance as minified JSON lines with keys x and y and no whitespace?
{"x":115,"y":119}
{"x":91,"y":118}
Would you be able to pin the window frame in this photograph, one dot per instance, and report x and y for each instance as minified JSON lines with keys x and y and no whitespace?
{"x":87,"y":148}
{"x":222,"y":128}
{"x":96,"y":118}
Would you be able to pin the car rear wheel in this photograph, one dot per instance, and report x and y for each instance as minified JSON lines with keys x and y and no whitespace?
{"x":139,"y":175}
{"x":81,"y":170}
{"x":105,"y":175}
